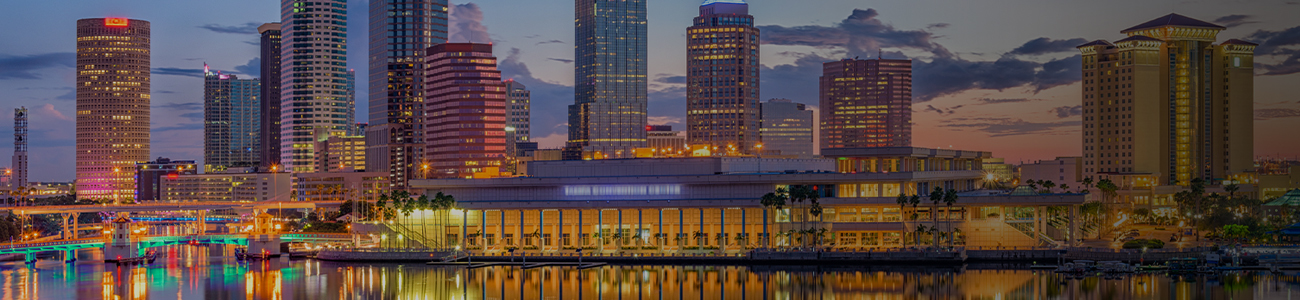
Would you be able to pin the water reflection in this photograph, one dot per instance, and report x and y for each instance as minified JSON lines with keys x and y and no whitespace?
{"x":186,"y":272}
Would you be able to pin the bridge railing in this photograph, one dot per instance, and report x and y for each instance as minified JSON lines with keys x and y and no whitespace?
{"x":47,"y":244}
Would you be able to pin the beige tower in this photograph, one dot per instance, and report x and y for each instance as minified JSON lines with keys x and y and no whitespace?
{"x":112,"y":106}
{"x":1168,"y":104}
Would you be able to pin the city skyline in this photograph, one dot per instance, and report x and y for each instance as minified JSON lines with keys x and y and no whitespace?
{"x":1014,"y":123}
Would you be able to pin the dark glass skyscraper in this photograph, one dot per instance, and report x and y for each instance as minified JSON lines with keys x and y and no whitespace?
{"x":609,"y":110}
{"x":722,"y":107}
{"x":270,"y":125}
{"x":400,"y":32}
{"x":231,"y":119}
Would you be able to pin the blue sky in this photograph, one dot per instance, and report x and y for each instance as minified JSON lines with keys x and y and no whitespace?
{"x":993,"y":75}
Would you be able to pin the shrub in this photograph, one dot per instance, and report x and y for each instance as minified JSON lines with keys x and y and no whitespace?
{"x":1140,"y":243}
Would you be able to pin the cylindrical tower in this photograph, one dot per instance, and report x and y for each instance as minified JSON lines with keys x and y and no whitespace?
{"x":112,"y":105}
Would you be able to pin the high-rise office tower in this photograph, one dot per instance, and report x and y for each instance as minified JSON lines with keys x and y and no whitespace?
{"x":518,"y":109}
{"x":866,"y":103}
{"x":787,"y":128}
{"x":400,"y":32}
{"x":722,"y":108}
{"x":609,"y":111}
{"x":1169,"y":103}
{"x":315,"y":77}
{"x":19,"y":176}
{"x":351,"y":91}
{"x":112,"y":105}
{"x":270,"y":124}
{"x":231,"y":120}
{"x":465,"y":109}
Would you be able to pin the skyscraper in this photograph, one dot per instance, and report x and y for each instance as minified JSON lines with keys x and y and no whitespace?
{"x":112,"y":105}
{"x":1168,"y":103}
{"x":19,"y":176}
{"x":866,"y":103}
{"x":465,"y":109}
{"x":231,"y":120}
{"x":787,"y":128}
{"x":270,"y":124}
{"x":722,"y":107}
{"x":315,"y":76}
{"x":400,"y":32}
{"x":518,"y":110}
{"x":609,"y":110}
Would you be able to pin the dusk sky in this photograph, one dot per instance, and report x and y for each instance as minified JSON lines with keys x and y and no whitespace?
{"x":990,"y":75}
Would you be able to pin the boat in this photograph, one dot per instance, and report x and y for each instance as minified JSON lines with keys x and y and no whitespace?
{"x":1115,"y":267}
{"x":1182,"y":265}
{"x":148,"y":258}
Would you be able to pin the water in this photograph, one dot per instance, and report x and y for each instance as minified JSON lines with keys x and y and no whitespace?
{"x":186,"y":273}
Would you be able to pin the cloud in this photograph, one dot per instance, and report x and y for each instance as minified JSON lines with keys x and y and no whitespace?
{"x":984,"y":101}
{"x":1044,"y":45}
{"x":550,"y":101}
{"x":466,"y":24}
{"x":179,"y":72}
{"x":1067,"y":111}
{"x":1276,"y":113}
{"x":552,"y":141}
{"x":551,"y":42}
{"x":1231,"y":21}
{"x":246,"y":28}
{"x":667,"y":78}
{"x":942,"y":111}
{"x":48,"y":111}
{"x":567,"y":61}
{"x":182,"y":126}
{"x":797,"y":81}
{"x":1001,"y":127}
{"x":1278,"y":44}
{"x":69,"y":96}
{"x":663,"y":120}
{"x":252,"y":68}
{"x":183,"y":106}
{"x":164,"y":92}
{"x":861,"y":34}
{"x":24,"y":66}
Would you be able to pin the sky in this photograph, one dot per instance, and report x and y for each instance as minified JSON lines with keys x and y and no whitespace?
{"x":989,"y":75}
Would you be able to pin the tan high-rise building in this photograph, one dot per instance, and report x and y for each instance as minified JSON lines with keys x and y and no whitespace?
{"x":314,"y":87}
{"x":1167,"y":104}
{"x":112,"y":106}
{"x":866,"y":103}
{"x":722,"y":108}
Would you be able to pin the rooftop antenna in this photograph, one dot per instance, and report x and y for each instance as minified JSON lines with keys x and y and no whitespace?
{"x":880,"y":54}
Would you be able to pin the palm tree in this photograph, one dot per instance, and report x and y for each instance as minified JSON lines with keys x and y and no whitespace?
{"x":1087,"y":183}
{"x":1232,"y":189}
{"x":1065,"y":188}
{"x":775,"y":200}
{"x":1048,"y":185}
{"x":902,"y":203}
{"x":935,"y":198}
{"x":950,"y":198}
{"x":1033,"y":184}
{"x":914,"y":200}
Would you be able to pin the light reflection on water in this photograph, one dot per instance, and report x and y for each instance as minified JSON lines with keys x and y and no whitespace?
{"x":185,"y":273}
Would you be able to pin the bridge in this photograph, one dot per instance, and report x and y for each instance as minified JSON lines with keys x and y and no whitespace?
{"x":170,"y":206}
{"x":145,"y":242}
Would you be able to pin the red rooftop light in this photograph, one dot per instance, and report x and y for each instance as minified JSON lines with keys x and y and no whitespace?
{"x":115,"y":22}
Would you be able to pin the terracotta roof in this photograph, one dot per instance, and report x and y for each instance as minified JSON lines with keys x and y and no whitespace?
{"x":1238,"y":42}
{"x":1095,"y":43}
{"x":122,"y":219}
{"x":1173,"y":20}
{"x":1138,"y":38}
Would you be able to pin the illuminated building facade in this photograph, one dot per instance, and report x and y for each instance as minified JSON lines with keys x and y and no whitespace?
{"x":149,"y":176}
{"x":722,"y":64}
{"x":314,"y":86}
{"x":519,"y":111}
{"x":787,"y":128}
{"x":465,"y":109}
{"x":400,"y":32}
{"x":18,"y":174}
{"x":1168,"y":105}
{"x":270,"y":113}
{"x":866,"y":103}
{"x":112,"y":105}
{"x":231,"y":120}
{"x":341,"y":154}
{"x":610,"y":59}
{"x":239,"y":187}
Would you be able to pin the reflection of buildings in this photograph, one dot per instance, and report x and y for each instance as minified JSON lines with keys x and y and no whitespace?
{"x":679,"y":204}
